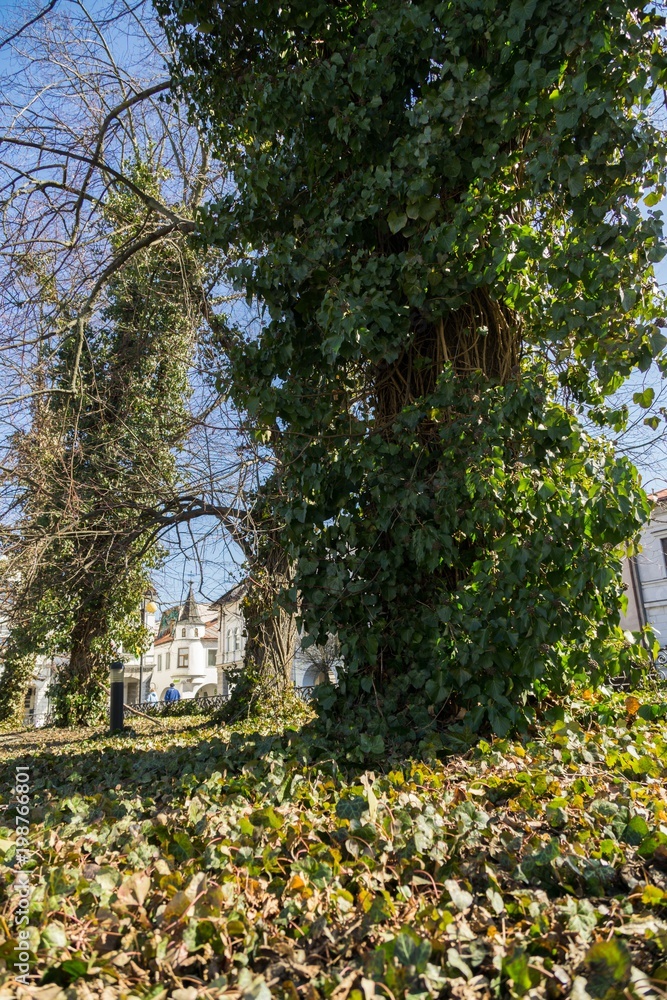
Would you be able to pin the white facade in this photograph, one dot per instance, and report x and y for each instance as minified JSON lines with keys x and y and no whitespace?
{"x":306,"y":671}
{"x":231,"y":637}
{"x":37,"y":705}
{"x":646,"y":576}
{"x":184,"y":651}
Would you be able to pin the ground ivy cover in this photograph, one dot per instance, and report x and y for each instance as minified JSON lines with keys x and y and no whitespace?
{"x":188,"y":861}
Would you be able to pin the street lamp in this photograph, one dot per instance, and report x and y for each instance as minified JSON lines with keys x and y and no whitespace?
{"x":151,"y":607}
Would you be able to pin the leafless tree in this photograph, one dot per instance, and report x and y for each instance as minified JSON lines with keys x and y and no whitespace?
{"x":324,"y":659}
{"x":86,"y":105}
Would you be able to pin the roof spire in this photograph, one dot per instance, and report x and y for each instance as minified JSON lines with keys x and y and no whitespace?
{"x":190,"y":611}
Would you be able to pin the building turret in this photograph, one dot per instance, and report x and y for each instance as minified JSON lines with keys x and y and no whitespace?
{"x":190,"y":612}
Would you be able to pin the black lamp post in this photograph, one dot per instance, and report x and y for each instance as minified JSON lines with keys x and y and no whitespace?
{"x":116,"y":673}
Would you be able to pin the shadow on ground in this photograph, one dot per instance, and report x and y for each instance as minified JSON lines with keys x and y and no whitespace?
{"x":152,"y":761}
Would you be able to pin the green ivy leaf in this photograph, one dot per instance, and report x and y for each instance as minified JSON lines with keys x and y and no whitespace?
{"x":411,"y":950}
{"x":609,"y":965}
{"x":635,"y":831}
{"x":351,"y":807}
{"x":644,"y":398}
{"x":397,"y":221}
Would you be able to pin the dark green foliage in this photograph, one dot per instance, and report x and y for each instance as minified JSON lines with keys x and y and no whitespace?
{"x":518,"y":594}
{"x":440,"y":207}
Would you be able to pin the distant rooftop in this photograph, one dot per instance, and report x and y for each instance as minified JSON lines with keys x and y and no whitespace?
{"x":190,"y":611}
{"x":231,"y":596}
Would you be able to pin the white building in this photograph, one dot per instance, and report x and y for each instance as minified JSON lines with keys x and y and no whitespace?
{"x":231,"y":638}
{"x":37,"y":705}
{"x":185,"y":651}
{"x":645,"y":575}
{"x":310,"y":666}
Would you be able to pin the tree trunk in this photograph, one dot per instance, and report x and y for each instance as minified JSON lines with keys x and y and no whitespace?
{"x":480,"y":340}
{"x":265,"y":681}
{"x":79,"y":693}
{"x":484,"y":336}
{"x":17,"y":672}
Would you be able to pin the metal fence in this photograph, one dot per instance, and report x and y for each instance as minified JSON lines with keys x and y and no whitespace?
{"x":206,"y":705}
{"x":661,"y":663}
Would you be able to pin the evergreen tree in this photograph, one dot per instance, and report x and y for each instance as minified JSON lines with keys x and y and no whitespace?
{"x":440,"y":205}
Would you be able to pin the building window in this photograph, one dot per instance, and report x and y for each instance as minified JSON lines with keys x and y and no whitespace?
{"x":182,"y":633}
{"x":663,"y":542}
{"x":229,"y":640}
{"x":196,"y":633}
{"x":183,"y":657}
{"x":159,"y":661}
{"x":237,"y":644}
{"x":211,"y":657}
{"x":167,"y":659}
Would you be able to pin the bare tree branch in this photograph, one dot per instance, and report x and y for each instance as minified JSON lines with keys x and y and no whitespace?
{"x":24,"y":27}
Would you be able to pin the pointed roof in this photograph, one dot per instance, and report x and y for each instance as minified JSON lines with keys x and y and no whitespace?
{"x":231,"y":596}
{"x":190,"y":611}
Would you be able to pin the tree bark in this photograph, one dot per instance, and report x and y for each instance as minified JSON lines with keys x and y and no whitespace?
{"x":79,"y":692}
{"x":17,"y":672}
{"x":265,"y":681}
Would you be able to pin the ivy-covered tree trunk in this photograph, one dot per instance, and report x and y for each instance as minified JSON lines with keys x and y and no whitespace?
{"x":18,"y":668}
{"x":478,"y":346}
{"x":80,"y":691}
{"x":265,"y":682}
{"x":483,"y":336}
{"x":440,"y":205}
{"x":100,"y":460}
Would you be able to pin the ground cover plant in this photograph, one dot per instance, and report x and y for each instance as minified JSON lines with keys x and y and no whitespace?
{"x":189,"y":861}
